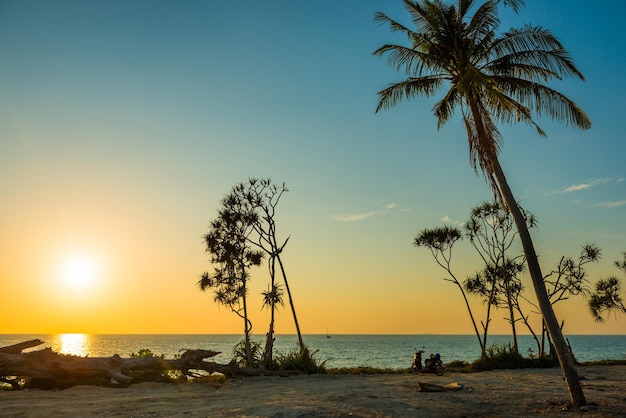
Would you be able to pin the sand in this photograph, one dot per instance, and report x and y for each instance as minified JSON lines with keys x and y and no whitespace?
{"x":502,"y":393}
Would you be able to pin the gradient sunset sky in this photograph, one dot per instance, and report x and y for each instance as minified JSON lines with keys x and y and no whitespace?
{"x":123,"y":124}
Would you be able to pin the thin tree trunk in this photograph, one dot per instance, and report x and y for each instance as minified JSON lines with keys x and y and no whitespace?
{"x":268,"y":354}
{"x":565,"y":358}
{"x":530,"y":329}
{"x":246,"y":328}
{"x":293,"y":309}
{"x":512,"y":319}
{"x":483,"y":352}
{"x":487,"y":319}
{"x":454,"y":280}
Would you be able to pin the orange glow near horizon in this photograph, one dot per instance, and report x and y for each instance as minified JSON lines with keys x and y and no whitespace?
{"x":119,"y":278}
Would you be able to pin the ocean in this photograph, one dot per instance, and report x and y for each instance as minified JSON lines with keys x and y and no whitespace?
{"x":380,"y":351}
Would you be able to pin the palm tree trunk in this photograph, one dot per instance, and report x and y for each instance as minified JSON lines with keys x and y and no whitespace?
{"x":563,"y":353}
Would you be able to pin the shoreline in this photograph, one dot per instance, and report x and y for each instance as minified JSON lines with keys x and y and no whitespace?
{"x":498,"y":393}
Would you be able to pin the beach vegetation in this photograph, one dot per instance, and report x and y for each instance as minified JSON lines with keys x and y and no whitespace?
{"x":606,"y":362}
{"x":248,"y":354}
{"x":245,"y":232}
{"x":261,"y":198}
{"x":506,"y":356}
{"x":232,"y":256}
{"x":491,"y":232}
{"x":302,"y":359}
{"x":606,"y":297}
{"x":145,"y":353}
{"x":440,"y":241}
{"x":568,"y":279}
{"x":493,"y":77}
{"x":154,"y":375}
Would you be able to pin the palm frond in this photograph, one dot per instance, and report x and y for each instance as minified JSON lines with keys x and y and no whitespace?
{"x":407,"y":89}
{"x":444,"y":109}
{"x":402,"y":58}
{"x":382,"y":19}
{"x":516,"y":5}
{"x":545,"y":101}
{"x":483,"y":22}
{"x":538,"y":47}
{"x":485,"y":142}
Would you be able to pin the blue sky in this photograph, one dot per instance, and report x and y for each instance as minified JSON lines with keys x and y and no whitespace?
{"x":123,"y":123}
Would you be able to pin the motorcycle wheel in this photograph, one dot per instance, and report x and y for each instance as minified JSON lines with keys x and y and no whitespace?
{"x":439,"y":370}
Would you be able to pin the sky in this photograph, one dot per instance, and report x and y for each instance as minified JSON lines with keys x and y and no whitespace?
{"x":123,"y":124}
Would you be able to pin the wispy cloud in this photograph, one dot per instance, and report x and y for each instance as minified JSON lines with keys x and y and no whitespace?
{"x":611,"y":205}
{"x":355,"y":217}
{"x":448,"y":220}
{"x":588,"y":185}
{"x":365,"y":215}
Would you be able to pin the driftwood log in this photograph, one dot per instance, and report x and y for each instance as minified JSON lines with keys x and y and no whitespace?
{"x":46,"y":369}
{"x":18,"y":348}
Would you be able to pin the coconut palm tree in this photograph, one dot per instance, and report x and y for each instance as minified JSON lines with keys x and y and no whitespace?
{"x":492,"y":77}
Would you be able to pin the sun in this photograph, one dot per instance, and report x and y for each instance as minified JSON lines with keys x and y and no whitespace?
{"x":79,"y":272}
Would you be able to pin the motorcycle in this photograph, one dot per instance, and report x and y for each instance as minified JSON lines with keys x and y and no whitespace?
{"x":434,"y":364}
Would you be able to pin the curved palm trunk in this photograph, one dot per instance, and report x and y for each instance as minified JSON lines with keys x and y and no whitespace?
{"x":565,"y":357}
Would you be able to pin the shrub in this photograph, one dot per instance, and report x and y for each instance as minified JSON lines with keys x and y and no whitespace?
{"x":239,"y":354}
{"x":302,"y":359}
{"x":504,"y":357}
{"x":157,"y":375}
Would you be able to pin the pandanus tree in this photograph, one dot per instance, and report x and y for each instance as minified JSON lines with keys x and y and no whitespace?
{"x":440,"y":241}
{"x":490,"y":230}
{"x":606,"y":297}
{"x":492,"y":77}
{"x":243,"y":233}
{"x":261,"y":197}
{"x":232,"y":257}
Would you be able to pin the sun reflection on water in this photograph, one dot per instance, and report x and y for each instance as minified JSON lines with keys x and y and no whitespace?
{"x":75,"y":344}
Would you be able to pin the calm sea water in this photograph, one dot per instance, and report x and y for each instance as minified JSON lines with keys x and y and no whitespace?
{"x":383,"y":351}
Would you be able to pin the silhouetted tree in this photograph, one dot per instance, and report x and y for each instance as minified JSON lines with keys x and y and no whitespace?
{"x":232,"y":256}
{"x":606,"y":297}
{"x":440,"y":242}
{"x":262,"y":197}
{"x":490,"y":230}
{"x":493,"y":78}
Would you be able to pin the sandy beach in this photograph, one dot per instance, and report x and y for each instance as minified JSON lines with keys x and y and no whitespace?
{"x":501,"y":393}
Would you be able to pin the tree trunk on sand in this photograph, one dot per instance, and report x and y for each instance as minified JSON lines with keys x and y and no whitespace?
{"x":46,"y":369}
{"x":564,"y":355}
{"x":18,"y":348}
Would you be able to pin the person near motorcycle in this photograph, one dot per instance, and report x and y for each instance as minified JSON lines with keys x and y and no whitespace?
{"x":434,"y":359}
